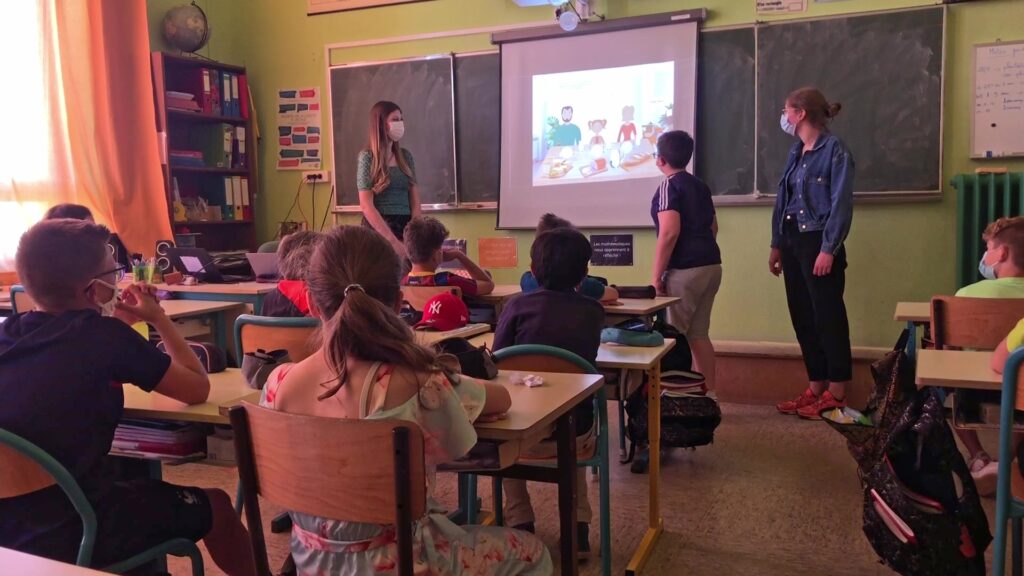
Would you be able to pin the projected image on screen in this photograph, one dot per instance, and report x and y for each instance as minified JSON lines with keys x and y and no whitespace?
{"x":601,"y":124}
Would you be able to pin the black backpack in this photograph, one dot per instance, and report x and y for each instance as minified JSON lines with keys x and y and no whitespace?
{"x":687,"y":420}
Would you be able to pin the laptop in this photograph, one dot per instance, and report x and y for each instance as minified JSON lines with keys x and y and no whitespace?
{"x":197,"y":262}
{"x":264,"y":266}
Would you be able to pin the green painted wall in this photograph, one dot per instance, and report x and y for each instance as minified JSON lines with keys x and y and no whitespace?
{"x":897,"y":251}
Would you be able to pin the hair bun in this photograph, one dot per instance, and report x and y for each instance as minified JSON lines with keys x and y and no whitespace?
{"x":832,"y":109}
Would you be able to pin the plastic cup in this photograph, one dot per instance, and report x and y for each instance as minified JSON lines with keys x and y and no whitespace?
{"x":143,"y":273}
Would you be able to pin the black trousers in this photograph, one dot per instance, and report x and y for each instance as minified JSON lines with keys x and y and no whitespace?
{"x":816,"y":305}
{"x":396,"y":222}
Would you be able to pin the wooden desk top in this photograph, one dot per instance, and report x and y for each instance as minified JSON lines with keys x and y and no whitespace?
{"x":244,"y":288}
{"x":226,"y":389}
{"x":184,"y":308}
{"x":916,"y":312}
{"x":426,"y":337}
{"x":957,"y":369}
{"x":639,"y":306}
{"x":610,"y":355}
{"x":534,"y":410}
{"x":501,"y":293}
{"x":15,"y":562}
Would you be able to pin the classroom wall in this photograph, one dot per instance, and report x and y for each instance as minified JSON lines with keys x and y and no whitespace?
{"x":901,"y":251}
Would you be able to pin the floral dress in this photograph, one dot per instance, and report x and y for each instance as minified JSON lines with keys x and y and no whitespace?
{"x":445,"y":412}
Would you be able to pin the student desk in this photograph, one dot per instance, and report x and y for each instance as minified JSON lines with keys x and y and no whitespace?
{"x":245,"y":292}
{"x":914,"y":314}
{"x":22,"y":564}
{"x":626,"y":308}
{"x":227,"y":389}
{"x":426,"y":337}
{"x":500,"y":296}
{"x":634,"y":359}
{"x":958,"y":369}
{"x":529,"y":420}
{"x":212,"y":309}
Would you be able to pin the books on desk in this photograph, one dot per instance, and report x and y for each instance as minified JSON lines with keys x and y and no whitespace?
{"x":156,"y":439}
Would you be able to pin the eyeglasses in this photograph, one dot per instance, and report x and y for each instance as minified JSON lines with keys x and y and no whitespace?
{"x":788,"y":108}
{"x":118,"y":273}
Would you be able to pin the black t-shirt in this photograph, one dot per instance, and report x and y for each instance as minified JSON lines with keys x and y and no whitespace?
{"x":60,"y":388}
{"x":566,"y":320}
{"x":691,"y":198}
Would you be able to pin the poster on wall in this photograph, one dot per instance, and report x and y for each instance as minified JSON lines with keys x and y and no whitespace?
{"x":299,"y":142}
{"x":500,"y":252}
{"x":612,"y":249}
{"x":780,"y":6}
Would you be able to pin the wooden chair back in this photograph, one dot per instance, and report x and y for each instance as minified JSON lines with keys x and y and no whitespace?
{"x":539,"y":363}
{"x":326,"y":467}
{"x":20,"y":300}
{"x":417,"y":296}
{"x":20,"y":474}
{"x":296,"y":335}
{"x":978,"y":323}
{"x":9,"y":278}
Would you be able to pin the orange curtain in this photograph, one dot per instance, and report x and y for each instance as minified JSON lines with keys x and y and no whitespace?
{"x":85,"y":123}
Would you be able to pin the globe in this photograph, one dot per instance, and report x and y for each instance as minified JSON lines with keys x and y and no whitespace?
{"x":185,"y":28}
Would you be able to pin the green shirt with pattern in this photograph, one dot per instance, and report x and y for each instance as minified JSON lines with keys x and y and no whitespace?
{"x":393,"y":200}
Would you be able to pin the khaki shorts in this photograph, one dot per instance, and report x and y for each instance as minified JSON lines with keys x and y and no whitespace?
{"x":696,"y":288}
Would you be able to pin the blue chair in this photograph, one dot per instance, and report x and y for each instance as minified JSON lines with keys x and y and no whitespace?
{"x":20,"y":300}
{"x":26,"y":468}
{"x":539,"y":358}
{"x":1008,"y":508}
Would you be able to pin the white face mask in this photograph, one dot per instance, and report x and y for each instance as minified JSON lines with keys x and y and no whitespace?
{"x":110,"y":306}
{"x":787,"y":126}
{"x":396,"y":129}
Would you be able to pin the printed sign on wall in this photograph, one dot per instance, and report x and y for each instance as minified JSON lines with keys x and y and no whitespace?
{"x":298,"y":129}
{"x":612,"y":249}
{"x":498,"y":252}
{"x":780,"y":6}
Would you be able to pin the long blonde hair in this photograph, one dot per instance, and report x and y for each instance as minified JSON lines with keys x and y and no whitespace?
{"x":381,"y":147}
{"x":354,"y":281}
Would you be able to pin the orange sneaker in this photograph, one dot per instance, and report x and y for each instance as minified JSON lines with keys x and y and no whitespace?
{"x":826,"y":402}
{"x":791,"y":406}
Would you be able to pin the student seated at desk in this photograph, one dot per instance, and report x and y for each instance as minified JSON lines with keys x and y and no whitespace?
{"x":424,"y":241}
{"x":61,"y":371}
{"x":590,"y":287}
{"x":1013,"y":340}
{"x":79,"y":212}
{"x":556,"y":315}
{"x":1002,"y":266}
{"x":289,"y":300}
{"x":369,"y":366}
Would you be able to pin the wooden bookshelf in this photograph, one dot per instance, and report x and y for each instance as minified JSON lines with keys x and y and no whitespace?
{"x":197,"y":131}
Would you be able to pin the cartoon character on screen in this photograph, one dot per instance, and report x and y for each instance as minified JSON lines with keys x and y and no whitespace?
{"x":567,"y":134}
{"x":596,"y":126}
{"x":627,"y":132}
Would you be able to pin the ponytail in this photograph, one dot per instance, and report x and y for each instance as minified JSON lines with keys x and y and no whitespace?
{"x":813,"y":103}
{"x":833,"y":109}
{"x":364,"y":328}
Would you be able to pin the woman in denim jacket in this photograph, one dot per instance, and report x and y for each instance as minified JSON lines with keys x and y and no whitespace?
{"x":813,"y":210}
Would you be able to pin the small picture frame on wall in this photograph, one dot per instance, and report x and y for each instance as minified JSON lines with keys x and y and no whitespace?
{"x":324,"y":6}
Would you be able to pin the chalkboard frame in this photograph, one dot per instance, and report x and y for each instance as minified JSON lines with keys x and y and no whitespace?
{"x":974,"y":100}
{"x":466,"y":204}
{"x":354,"y":208}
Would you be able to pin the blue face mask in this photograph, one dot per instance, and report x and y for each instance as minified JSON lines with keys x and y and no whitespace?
{"x":987,"y":272}
{"x":787,"y":126}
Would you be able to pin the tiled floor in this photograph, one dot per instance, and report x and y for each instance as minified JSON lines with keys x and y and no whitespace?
{"x":772,"y":495}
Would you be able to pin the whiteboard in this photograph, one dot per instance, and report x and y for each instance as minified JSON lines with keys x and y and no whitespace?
{"x":998,"y":128}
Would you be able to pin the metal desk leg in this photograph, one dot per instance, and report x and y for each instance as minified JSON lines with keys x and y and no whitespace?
{"x":220,"y":331}
{"x":655,"y":525}
{"x":566,"y":439}
{"x":623,"y":391}
{"x":912,"y":340}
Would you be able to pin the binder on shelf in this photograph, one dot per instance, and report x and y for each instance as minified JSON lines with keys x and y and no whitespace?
{"x":215,"y":92}
{"x":236,"y":107}
{"x":243,"y":96}
{"x":240,"y":157}
{"x":236,"y":187}
{"x":228,"y":139}
{"x":227,"y":208}
{"x":204,"y":95}
{"x":225,"y":94}
{"x":246,"y":199}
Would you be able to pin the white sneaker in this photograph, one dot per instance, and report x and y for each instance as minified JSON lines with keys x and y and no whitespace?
{"x":985,"y":475}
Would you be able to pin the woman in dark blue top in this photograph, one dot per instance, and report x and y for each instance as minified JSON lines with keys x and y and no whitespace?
{"x":813,"y":211}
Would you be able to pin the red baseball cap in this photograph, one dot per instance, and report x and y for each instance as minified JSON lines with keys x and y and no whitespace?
{"x":444,"y":312}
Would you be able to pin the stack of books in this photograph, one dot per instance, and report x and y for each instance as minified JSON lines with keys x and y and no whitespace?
{"x":186,"y":158}
{"x":679,"y":383}
{"x":149,"y":438}
{"x":182,"y":101}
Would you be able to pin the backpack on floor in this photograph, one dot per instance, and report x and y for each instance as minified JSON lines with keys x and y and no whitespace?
{"x":688,"y":417}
